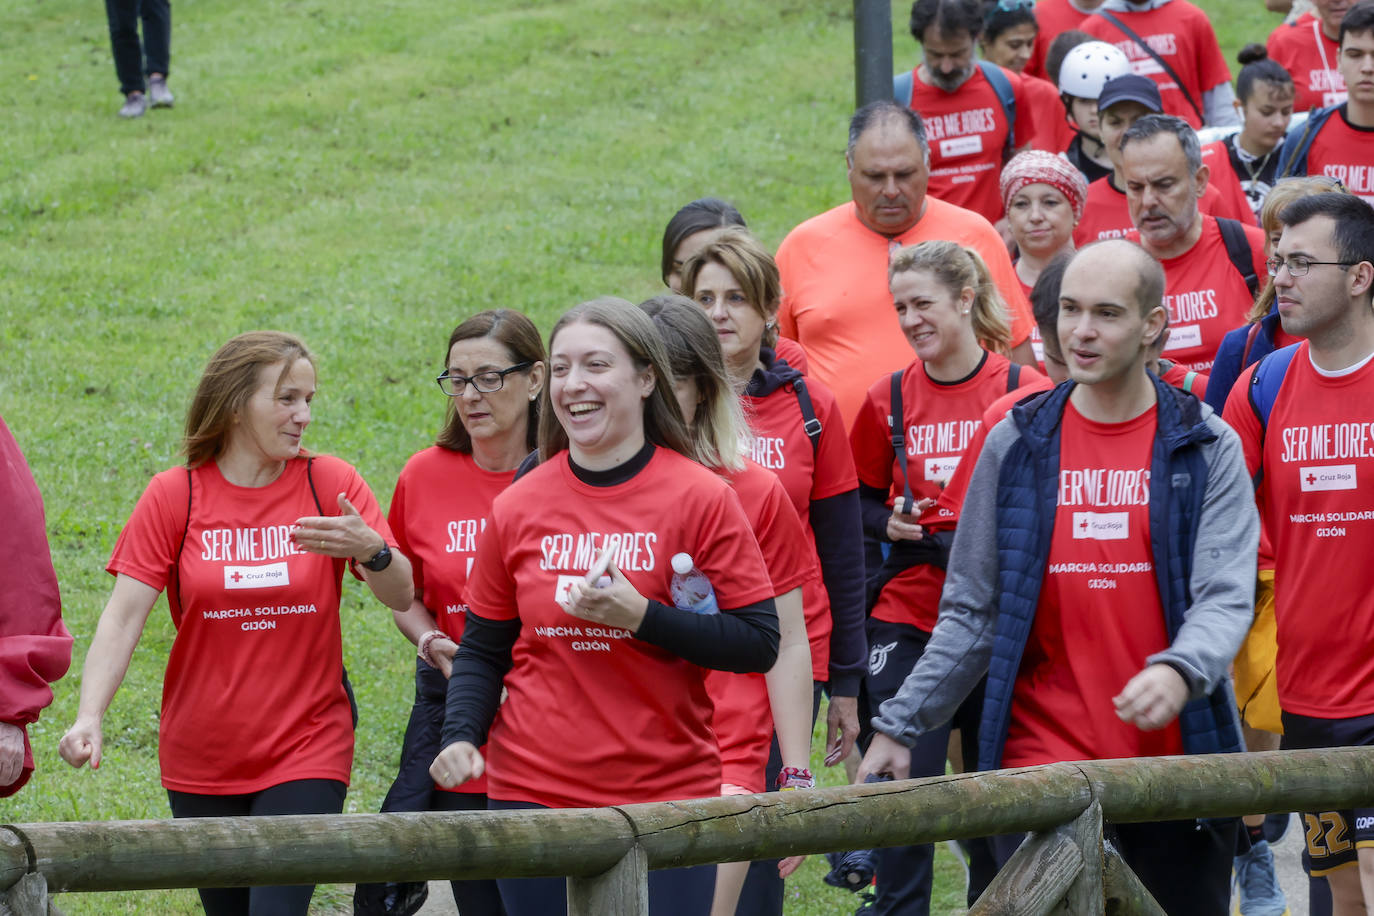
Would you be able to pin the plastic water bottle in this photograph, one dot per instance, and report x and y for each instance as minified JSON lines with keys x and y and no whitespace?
{"x":690,"y":588}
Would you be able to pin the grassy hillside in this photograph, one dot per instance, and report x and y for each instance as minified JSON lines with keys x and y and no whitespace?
{"x":365,"y":175}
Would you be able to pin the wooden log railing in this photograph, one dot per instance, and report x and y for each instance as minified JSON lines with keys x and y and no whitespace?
{"x":606,"y":852}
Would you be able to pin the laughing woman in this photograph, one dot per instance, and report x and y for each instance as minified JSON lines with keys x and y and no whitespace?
{"x":604,"y":668}
{"x":255,"y":703}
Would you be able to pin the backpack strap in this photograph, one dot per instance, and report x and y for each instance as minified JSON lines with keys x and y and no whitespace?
{"x":902,"y":86}
{"x":896,"y":425}
{"x":1293,"y":155}
{"x":310,"y":479}
{"x":1239,"y":251}
{"x":1013,"y":377}
{"x":1007,"y":96}
{"x":1250,"y":337}
{"x":181,"y":544}
{"x":1265,"y":383}
{"x":808,"y":412}
{"x":1130,"y":33}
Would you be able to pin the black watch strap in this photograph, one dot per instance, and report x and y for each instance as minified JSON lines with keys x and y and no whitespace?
{"x":380,"y":560}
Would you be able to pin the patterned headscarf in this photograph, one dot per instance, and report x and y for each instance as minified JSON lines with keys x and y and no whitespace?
{"x":1039,"y":167}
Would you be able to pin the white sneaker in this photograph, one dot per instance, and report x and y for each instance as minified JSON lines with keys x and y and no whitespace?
{"x":158,"y":92}
{"x":135,"y":104}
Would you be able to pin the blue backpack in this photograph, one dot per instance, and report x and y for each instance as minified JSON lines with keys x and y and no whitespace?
{"x":1293,"y":156}
{"x":902,"y":87}
{"x":1265,"y":383}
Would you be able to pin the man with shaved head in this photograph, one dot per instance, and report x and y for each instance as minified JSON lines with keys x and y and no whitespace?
{"x":1078,"y":537}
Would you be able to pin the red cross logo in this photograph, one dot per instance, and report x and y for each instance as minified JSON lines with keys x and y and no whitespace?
{"x":1311,"y":479}
{"x":1084,"y":525}
{"x":236,"y":576}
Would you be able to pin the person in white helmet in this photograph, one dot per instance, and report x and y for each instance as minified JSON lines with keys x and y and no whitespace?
{"x":1085,"y":70}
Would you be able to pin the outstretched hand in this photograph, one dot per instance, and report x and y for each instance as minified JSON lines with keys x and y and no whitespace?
{"x":344,"y":536}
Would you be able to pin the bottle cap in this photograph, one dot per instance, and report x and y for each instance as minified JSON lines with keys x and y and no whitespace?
{"x":682,"y":563}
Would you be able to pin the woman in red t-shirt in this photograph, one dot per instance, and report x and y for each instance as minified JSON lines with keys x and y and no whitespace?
{"x":1043,"y":195}
{"x":494,"y":370}
{"x":748,"y":707}
{"x":569,"y":604}
{"x":250,"y":540}
{"x":956,"y":323}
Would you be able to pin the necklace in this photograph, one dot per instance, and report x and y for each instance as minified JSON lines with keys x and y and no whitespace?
{"x":1246,"y":159}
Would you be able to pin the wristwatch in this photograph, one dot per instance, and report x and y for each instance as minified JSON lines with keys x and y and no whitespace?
{"x":380,"y":560}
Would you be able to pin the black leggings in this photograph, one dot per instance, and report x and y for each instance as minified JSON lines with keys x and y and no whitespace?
{"x":302,"y":796}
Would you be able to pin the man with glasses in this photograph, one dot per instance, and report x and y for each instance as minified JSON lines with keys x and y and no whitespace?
{"x":1305,"y":415}
{"x":977,"y":114}
{"x":1212,"y":265}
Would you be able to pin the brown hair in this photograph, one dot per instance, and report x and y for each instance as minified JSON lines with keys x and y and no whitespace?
{"x":1283,"y":193}
{"x":959,"y":268}
{"x":752,"y":267}
{"x":229,"y":380}
{"x":515,"y":332}
{"x":663,"y":424}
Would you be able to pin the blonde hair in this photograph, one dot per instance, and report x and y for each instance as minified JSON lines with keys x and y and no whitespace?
{"x":718,"y":430}
{"x":960,"y":268}
{"x":663,"y":424}
{"x":229,"y":380}
{"x":1283,"y":193}
{"x":752,"y":267}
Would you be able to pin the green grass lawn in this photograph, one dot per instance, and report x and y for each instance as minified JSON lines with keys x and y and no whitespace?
{"x":365,"y":175}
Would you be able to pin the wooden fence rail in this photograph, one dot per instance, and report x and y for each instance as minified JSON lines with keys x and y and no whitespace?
{"x":606,"y":847}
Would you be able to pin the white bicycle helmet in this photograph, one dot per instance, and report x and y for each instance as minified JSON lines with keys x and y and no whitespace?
{"x":1087,"y":67}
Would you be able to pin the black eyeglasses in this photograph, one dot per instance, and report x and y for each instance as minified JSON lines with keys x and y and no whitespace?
{"x":485,"y":382}
{"x":1298,"y":266}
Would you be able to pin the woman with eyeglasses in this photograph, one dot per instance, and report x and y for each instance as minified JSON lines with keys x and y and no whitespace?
{"x":250,"y":540}
{"x":494,"y":373}
{"x":569,"y":606}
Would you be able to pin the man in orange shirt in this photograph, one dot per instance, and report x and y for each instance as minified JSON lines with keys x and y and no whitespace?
{"x":836,"y":302}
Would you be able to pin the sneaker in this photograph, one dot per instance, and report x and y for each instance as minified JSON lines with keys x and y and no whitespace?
{"x":135,"y":104}
{"x":852,"y":871}
{"x":1256,"y":886}
{"x":158,"y":92}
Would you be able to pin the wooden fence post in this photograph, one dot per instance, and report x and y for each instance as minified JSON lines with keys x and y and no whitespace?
{"x":1053,"y":871}
{"x":621,"y":890}
{"x":1085,"y":896}
{"x":28,"y":897}
{"x":1123,"y":888}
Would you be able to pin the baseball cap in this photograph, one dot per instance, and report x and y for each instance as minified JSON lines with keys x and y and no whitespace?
{"x":1131,"y":88}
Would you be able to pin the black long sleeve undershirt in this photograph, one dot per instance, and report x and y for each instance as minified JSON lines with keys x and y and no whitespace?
{"x":740,"y":639}
{"x":474,"y":685}
{"x":839,"y":544}
{"x":875,"y":511}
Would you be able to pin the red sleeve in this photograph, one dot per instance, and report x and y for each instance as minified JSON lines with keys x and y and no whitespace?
{"x":786,"y":551}
{"x":871,"y":442}
{"x":728,"y":552}
{"x":834,"y":472}
{"x":1024,"y":129}
{"x":149,"y":542}
{"x":1199,"y":389}
{"x":396,"y":519}
{"x":334,"y":476}
{"x":1240,"y":416}
{"x":491,"y":586}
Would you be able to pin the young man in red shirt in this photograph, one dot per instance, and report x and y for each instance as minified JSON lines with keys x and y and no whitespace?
{"x":1340,"y":147}
{"x":1207,"y":293}
{"x":1107,"y":623}
{"x":1308,"y":48}
{"x":1305,"y":419}
{"x":963,"y":109}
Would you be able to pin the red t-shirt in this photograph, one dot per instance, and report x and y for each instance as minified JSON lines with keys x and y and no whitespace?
{"x":437,"y":525}
{"x":1099,"y":615}
{"x":1205,"y":295}
{"x":939,"y":420}
{"x":967,"y":130}
{"x":1342,"y":151}
{"x":782,"y":446}
{"x":836,"y":300}
{"x":1302,"y":48}
{"x":253,"y":696}
{"x":1182,"y":36}
{"x":1318,"y":506}
{"x":743,"y":719}
{"x":1052,"y":17}
{"x":1107,"y":215}
{"x":593,"y":716}
{"x":1232,"y":201}
{"x":1053,"y":132}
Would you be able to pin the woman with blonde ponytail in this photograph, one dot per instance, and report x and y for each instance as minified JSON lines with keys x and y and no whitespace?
{"x":956,"y":323}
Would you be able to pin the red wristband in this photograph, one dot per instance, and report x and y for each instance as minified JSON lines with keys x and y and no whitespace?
{"x":422,"y":647}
